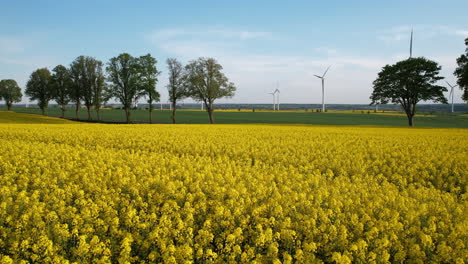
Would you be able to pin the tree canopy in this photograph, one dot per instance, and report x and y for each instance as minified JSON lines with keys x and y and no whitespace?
{"x":123,"y":74}
{"x":39,"y":88}
{"x":89,"y":72}
{"x":10,"y":92}
{"x":176,"y":87}
{"x":207,"y":83}
{"x":148,"y":79}
{"x":61,"y":86}
{"x":408,"y":82}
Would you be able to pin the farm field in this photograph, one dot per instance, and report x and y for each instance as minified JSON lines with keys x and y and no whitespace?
{"x":98,"y":193}
{"x":269,"y":117}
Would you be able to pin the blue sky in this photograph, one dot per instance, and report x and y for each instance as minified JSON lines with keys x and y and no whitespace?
{"x":259,"y":43}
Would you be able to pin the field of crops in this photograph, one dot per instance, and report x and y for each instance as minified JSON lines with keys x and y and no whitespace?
{"x":95,"y":193}
{"x":359,"y":117}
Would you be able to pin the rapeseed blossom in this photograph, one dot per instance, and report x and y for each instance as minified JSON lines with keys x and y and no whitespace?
{"x":94,"y":193}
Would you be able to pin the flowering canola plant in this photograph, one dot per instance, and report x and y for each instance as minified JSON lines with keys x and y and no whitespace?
{"x":94,"y":193}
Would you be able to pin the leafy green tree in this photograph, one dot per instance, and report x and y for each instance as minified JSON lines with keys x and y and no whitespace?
{"x":91,"y":74}
{"x":407,"y":82}
{"x":461,"y":72}
{"x":61,"y":86}
{"x":207,"y":83}
{"x":123,"y":74}
{"x":88,"y":85}
{"x":10,"y":92}
{"x":148,"y":79}
{"x":78,"y":83}
{"x":100,"y":92}
{"x":39,"y":88}
{"x":177,"y":86}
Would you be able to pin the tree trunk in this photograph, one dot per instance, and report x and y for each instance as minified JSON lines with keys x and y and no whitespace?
{"x":43,"y":110}
{"x":127,"y":114}
{"x":89,"y":113}
{"x":76,"y":112}
{"x":150,"y":115}
{"x":411,"y":120}
{"x":63,"y":111}
{"x":8,"y":106}
{"x":210,"y":113}
{"x":98,"y":114}
{"x":173,"y":113}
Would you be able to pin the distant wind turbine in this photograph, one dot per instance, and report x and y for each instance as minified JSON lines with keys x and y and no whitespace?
{"x":451,"y":92}
{"x":277,"y":91}
{"x":323,"y":87}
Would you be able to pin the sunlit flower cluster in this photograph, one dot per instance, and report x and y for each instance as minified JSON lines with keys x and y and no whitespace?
{"x":94,"y":193}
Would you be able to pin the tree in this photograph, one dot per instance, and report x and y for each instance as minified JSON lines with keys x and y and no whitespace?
{"x":86,"y":73}
{"x":148,"y":78}
{"x":91,"y":74}
{"x":125,"y":82}
{"x":461,"y":72}
{"x":207,"y":83}
{"x":407,"y":82}
{"x":10,"y":92}
{"x":177,"y":87}
{"x":101,"y":92}
{"x":61,"y":86}
{"x":77,"y":86}
{"x":39,"y":88}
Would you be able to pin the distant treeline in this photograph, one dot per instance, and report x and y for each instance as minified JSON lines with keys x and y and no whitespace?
{"x":463,"y":108}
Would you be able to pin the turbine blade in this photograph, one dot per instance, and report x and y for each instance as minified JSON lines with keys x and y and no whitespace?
{"x":326,"y":71}
{"x":411,"y":44}
{"x":318,"y":76}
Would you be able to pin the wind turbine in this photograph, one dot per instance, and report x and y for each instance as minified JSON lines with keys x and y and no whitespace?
{"x":451,"y":92}
{"x":323,"y":87}
{"x":274,"y":100}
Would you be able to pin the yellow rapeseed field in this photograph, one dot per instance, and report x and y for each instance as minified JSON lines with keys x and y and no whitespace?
{"x":94,"y":193}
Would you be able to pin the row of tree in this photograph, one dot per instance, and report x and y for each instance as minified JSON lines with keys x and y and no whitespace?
{"x":127,"y":79}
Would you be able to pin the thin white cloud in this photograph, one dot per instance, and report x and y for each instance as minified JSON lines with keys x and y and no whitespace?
{"x":403,"y":32}
{"x":256,"y":73}
{"x":206,"y":34}
{"x":10,"y":45}
{"x":327,"y":50}
{"x":463,"y":33}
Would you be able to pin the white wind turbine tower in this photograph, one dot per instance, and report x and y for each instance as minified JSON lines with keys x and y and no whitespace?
{"x":274,"y":100}
{"x":451,"y":92}
{"x":323,"y":87}
{"x":277,"y":91}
